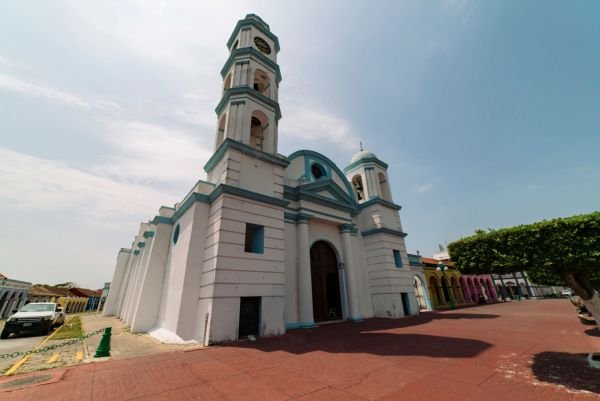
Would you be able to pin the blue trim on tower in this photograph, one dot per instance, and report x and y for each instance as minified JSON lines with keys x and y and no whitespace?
{"x":229,"y":143}
{"x":365,"y":160}
{"x":236,"y":54}
{"x":292,"y":326}
{"x":148,"y":234}
{"x":383,"y":230}
{"x":379,"y":201}
{"x":246,"y":92}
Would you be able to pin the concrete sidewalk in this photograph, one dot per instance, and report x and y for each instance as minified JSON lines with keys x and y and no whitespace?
{"x":533,"y":350}
{"x":123,"y":343}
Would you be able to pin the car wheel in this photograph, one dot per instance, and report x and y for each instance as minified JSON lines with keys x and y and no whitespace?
{"x":4,"y":335}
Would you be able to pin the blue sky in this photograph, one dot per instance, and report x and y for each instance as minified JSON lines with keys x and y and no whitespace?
{"x":488,"y":113}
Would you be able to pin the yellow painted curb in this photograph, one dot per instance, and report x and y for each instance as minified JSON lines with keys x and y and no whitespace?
{"x":53,"y":358}
{"x":79,"y":356}
{"x":21,"y":361}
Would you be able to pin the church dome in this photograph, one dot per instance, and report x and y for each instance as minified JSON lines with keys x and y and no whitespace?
{"x":363,"y":154}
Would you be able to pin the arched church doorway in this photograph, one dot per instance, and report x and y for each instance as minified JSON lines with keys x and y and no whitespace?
{"x":327,"y":303}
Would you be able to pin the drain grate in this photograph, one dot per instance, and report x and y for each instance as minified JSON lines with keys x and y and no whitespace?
{"x":26,"y":381}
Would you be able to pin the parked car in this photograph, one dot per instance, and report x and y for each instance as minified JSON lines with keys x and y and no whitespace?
{"x":566,"y":293}
{"x":34,"y":317}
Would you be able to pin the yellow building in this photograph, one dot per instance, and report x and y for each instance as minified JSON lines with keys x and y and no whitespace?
{"x":443,"y":285}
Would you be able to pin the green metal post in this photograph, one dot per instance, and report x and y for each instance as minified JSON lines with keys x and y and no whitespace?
{"x":104,"y":346}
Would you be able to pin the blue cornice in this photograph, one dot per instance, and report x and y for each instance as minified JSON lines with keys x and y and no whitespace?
{"x":380,"y":201}
{"x":257,"y":22}
{"x":209,"y":199}
{"x":244,"y":193}
{"x":253,"y":53}
{"x":246,"y":92}
{"x":383,"y":230}
{"x":136,"y":252}
{"x":366,"y":160}
{"x":187,"y":203}
{"x":160,"y":220}
{"x":316,"y":212}
{"x":229,"y":143}
{"x":141,"y":244}
{"x":299,"y":193}
{"x":346,"y":228}
{"x":148,"y":234}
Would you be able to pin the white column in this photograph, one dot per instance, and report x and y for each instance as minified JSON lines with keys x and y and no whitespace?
{"x":351,"y":273}
{"x":305,"y":304}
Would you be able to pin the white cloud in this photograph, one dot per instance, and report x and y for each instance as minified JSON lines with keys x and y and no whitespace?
{"x":40,"y":91}
{"x":423,"y":188}
{"x":147,"y":153}
{"x":314,"y":124}
{"x":30,"y":183}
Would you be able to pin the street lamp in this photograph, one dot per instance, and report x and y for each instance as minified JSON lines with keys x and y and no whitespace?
{"x":442,"y":268}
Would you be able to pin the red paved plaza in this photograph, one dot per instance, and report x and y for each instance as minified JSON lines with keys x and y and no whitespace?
{"x":532,"y":350}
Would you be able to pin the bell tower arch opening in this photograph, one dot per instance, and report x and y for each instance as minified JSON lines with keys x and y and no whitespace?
{"x":326,"y":294}
{"x":262,"y":82}
{"x":259,"y":126}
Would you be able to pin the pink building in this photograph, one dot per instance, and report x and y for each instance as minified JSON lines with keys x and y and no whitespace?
{"x":474,"y":285}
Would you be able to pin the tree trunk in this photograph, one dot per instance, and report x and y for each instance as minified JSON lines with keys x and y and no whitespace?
{"x":582,"y":286}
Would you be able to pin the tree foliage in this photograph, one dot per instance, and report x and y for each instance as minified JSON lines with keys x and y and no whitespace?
{"x":568,"y":248}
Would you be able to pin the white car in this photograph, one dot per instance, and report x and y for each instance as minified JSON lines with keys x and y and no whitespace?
{"x":566,"y":293}
{"x":34,"y":317}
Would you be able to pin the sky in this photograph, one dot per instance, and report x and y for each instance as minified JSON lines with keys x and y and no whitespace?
{"x":488,"y":113}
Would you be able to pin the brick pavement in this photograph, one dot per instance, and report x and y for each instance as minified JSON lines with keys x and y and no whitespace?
{"x":531,"y":350}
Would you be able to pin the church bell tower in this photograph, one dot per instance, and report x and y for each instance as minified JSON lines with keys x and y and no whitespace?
{"x":249,"y":111}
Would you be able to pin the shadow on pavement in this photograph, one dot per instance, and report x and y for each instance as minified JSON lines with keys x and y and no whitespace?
{"x":569,"y":370}
{"x":377,"y":337}
{"x":595,"y":332}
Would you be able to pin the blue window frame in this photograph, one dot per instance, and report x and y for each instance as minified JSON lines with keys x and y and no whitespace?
{"x":255,"y":238}
{"x":397,"y":258}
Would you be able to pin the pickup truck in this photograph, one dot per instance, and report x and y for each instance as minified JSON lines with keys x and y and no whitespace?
{"x":34,"y":317}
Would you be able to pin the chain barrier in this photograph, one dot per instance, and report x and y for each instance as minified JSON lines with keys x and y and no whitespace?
{"x":51,"y":347}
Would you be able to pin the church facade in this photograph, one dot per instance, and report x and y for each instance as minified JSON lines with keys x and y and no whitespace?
{"x":267,"y":243}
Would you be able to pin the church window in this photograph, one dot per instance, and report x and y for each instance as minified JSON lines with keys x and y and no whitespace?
{"x":397,"y":258}
{"x":255,"y":238}
{"x":358,"y":187}
{"x":176,"y":234}
{"x":317,"y":171}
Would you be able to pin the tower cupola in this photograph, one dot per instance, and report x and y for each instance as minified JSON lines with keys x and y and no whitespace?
{"x":368,"y":176}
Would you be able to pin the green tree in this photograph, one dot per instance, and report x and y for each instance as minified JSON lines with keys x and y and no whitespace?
{"x":565,"y":248}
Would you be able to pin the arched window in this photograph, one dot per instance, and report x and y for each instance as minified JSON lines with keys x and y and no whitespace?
{"x":258,"y":129}
{"x":221,"y":130}
{"x":384,"y":187}
{"x":261,"y":82}
{"x":227,"y":82}
{"x":358,"y":187}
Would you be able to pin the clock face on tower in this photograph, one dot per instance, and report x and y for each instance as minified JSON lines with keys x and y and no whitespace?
{"x":262,"y":45}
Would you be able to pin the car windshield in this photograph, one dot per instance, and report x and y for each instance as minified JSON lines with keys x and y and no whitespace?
{"x":37,"y":308}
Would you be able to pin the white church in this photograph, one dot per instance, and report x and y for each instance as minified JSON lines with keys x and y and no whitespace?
{"x":267,"y":243}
